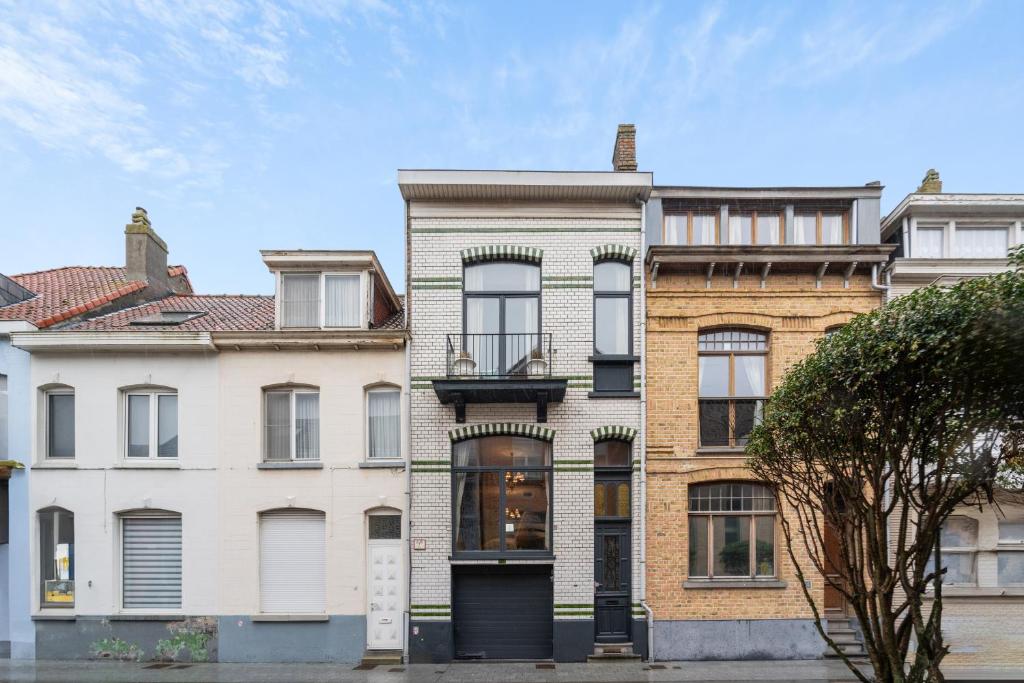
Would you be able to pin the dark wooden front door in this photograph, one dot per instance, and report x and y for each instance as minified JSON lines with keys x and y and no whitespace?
{"x":612,"y":565}
{"x":834,"y":600}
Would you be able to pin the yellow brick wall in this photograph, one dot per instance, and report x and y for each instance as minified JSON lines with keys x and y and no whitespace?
{"x":795,"y":314}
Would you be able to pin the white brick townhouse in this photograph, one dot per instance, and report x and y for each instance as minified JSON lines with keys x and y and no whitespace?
{"x":526,"y":503}
{"x":223,"y":477}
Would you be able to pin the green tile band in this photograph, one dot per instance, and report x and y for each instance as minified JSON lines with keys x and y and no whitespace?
{"x":497,"y":252}
{"x":501,"y":429}
{"x":613,"y":252}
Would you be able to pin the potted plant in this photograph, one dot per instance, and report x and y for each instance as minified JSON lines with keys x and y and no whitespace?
{"x":537,"y":364}
{"x":464,"y":364}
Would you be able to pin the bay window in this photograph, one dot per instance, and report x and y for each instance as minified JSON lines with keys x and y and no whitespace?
{"x":501,"y":488}
{"x":291,"y":425}
{"x":731,"y":531}
{"x":57,"y":558}
{"x":731,"y":385}
{"x":151,"y":424}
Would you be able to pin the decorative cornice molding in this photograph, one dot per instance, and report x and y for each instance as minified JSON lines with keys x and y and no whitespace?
{"x":499,"y":252}
{"x":501,"y":429}
{"x":613,"y":252}
{"x":618,"y":432}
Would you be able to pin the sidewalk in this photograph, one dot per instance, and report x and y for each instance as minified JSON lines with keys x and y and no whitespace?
{"x":633,"y":672}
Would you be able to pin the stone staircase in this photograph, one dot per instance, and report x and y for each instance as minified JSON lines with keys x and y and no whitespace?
{"x":841,"y":631}
{"x":381,"y":657}
{"x":613,"y":652}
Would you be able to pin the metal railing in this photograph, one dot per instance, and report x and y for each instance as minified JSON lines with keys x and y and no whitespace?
{"x":499,"y":355}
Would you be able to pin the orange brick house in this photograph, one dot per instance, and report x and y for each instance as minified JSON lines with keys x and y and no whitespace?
{"x":740,"y":285}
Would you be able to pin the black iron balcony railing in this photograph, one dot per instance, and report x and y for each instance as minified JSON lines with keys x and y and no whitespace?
{"x":727,"y":422}
{"x":519,"y":355}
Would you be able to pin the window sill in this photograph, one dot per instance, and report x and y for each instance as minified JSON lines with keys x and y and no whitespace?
{"x":56,"y":465}
{"x":722,"y":450}
{"x":382,"y":465}
{"x":278,"y":618}
{"x":125,"y":616}
{"x":145,"y":465}
{"x":978,"y":592}
{"x":492,"y":558}
{"x":290,"y":465}
{"x":739,"y":583}
{"x":614,"y":394}
{"x":64,"y":614}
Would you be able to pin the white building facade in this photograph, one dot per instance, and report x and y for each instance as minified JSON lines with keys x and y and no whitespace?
{"x":525,"y":312}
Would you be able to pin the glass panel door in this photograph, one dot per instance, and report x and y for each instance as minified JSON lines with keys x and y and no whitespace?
{"x":483,"y":324}
{"x":520,"y":333}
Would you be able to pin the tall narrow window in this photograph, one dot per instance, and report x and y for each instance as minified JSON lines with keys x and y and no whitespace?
{"x":731,"y":531}
{"x":613,"y":327}
{"x":384,"y":427}
{"x":300,"y":300}
{"x":732,"y":385}
{"x":502,"y":493}
{"x":151,"y":561}
{"x":151,"y":424}
{"x":293,"y":562}
{"x":343,"y":307}
{"x":57,"y":558}
{"x":1010,"y":554}
{"x":502,"y":317}
{"x":291,"y":425}
{"x":959,"y":542}
{"x":60,"y":423}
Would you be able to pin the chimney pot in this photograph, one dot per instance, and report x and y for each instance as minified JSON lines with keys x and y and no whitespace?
{"x":931,"y":184}
{"x":624,"y":154}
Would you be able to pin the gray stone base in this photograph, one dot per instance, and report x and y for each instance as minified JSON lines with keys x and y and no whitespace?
{"x":430,"y":642}
{"x":574,"y":640}
{"x":737,"y":639}
{"x":341,"y":638}
{"x":98,"y":637}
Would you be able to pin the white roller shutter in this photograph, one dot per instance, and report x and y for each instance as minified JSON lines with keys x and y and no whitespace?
{"x":293,"y":562}
{"x":151,"y":562}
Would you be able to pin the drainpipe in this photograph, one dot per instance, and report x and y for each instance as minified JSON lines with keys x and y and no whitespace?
{"x":878,"y":286}
{"x":643,"y":440}
{"x":406,"y":616}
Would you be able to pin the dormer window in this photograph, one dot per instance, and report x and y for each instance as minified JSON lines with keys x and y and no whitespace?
{"x":320,"y":300}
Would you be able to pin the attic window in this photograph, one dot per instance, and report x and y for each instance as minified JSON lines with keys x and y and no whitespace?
{"x":169,"y":318}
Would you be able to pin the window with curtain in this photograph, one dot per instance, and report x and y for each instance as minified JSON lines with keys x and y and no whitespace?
{"x":929,"y":242}
{"x":805,"y":228}
{"x":1010,"y":553}
{"x":731,"y":385}
{"x":731,"y":531}
{"x":832,"y":228}
{"x":384,"y":424}
{"x":342,"y":295}
{"x":291,"y":425}
{"x":502,"y":316}
{"x":768,"y":228}
{"x":151,"y":561}
{"x":60,"y":423}
{"x":972,"y":242}
{"x":741,"y":228}
{"x":959,"y":546}
{"x":819,"y":227}
{"x":151,"y":424}
{"x":57,"y":558}
{"x":501,"y":495}
{"x":300,"y":300}
{"x":691,"y":227}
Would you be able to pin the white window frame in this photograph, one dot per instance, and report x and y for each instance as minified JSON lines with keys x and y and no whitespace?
{"x":120,"y":562}
{"x":972,"y":551}
{"x":1007,"y":547}
{"x":322,"y":303}
{"x":154,"y":426}
{"x":1014,"y":233}
{"x":291,"y":423}
{"x":366,"y":407}
{"x":59,"y":391}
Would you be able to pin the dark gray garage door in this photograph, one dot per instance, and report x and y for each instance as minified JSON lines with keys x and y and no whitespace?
{"x":503,"y":612}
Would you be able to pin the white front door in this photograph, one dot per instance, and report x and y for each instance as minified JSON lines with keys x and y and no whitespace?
{"x":384,"y":627}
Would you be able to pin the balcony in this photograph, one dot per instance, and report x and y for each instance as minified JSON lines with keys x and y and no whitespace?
{"x":499,"y":368}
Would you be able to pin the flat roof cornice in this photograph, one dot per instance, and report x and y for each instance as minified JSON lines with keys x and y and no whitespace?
{"x":762,"y":193}
{"x":449,"y":185}
{"x":953,"y":205}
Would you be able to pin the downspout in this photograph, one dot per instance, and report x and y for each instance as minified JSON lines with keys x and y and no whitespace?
{"x":407,"y":615}
{"x":878,"y":286}
{"x":643,"y":439}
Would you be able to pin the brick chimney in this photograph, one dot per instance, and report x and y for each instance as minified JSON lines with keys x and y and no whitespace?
{"x":145,"y":254}
{"x":931,"y":183}
{"x":624,"y":155}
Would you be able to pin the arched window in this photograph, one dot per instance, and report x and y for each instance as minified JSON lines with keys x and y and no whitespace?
{"x":291,"y":424}
{"x":383,"y":422}
{"x":502,"y":495}
{"x":831,"y":331}
{"x":150,"y":423}
{"x":732,"y":385}
{"x":731,"y":531}
{"x":57,"y":557}
{"x":501,"y":316}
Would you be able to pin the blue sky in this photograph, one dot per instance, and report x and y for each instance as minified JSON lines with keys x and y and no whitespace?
{"x":246,"y":125}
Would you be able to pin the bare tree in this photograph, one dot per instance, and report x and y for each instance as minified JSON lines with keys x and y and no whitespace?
{"x":905,"y":414}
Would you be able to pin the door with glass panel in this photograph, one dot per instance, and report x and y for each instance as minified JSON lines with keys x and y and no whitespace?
{"x":612,"y":534}
{"x":384,"y":625}
{"x":501,"y":316}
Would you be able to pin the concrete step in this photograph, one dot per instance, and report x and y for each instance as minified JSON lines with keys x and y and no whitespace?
{"x":382,"y":657}
{"x":613,"y":652}
{"x":849,"y":649}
